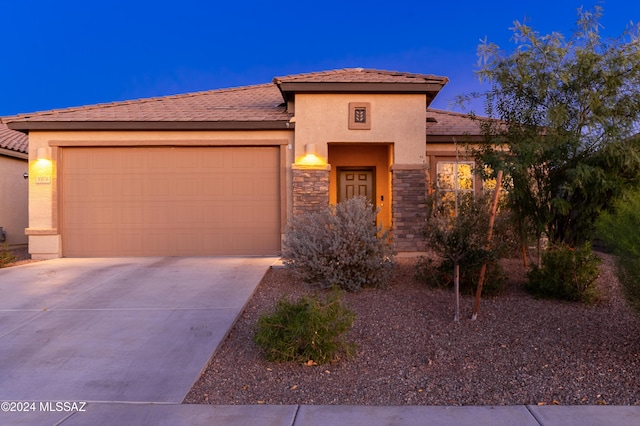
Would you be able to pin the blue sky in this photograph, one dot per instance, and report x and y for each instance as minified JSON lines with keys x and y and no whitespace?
{"x":64,"y":53}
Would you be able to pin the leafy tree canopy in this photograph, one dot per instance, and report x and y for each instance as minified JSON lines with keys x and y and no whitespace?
{"x":567,"y":110}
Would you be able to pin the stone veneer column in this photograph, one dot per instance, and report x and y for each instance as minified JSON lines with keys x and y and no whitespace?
{"x":409,"y":183}
{"x":310,"y":188}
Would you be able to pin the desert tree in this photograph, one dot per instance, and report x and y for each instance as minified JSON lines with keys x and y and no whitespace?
{"x":565,"y":109}
{"x":456,"y":233}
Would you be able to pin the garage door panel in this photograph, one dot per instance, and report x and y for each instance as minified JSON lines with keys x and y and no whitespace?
{"x":157,"y":215}
{"x":188,"y":214}
{"x":213,"y":187}
{"x":132,"y":188}
{"x":185,"y":160}
{"x":170,"y":201}
{"x":215,"y":216}
{"x":130,"y":242}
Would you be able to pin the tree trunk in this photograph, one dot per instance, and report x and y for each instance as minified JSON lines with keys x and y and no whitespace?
{"x":456,"y":290}
{"x":539,"y":252}
{"x":483,"y":270}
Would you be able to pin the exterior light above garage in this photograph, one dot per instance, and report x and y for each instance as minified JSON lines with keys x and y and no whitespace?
{"x":311,"y":157}
{"x":42,"y":168}
{"x":43,"y":154}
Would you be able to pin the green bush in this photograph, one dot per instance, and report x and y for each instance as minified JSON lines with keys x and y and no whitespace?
{"x":340,"y":246}
{"x":307,"y":330}
{"x":619,"y":230}
{"x":441,"y":275}
{"x":629,"y":275}
{"x":566,"y":274}
{"x":6,"y":256}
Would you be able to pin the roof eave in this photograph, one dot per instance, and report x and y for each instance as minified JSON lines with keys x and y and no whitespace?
{"x":15,"y":154}
{"x":150,"y":125}
{"x":463,"y":137}
{"x":431,"y":89}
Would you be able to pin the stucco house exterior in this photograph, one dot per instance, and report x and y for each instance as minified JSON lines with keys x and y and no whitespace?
{"x":220,"y":172}
{"x":14,"y":217}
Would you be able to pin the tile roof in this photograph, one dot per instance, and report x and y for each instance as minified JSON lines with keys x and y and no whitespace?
{"x":359,"y":80}
{"x":259,"y":106}
{"x":361,"y":75}
{"x":446,"y":124}
{"x":12,"y":140}
{"x":249,"y":104}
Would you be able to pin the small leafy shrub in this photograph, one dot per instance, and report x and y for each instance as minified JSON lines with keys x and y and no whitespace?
{"x":566,"y":274}
{"x":629,"y":275}
{"x":307,"y":330}
{"x":441,"y":275}
{"x":340,"y":246}
{"x":6,"y":256}
{"x":619,"y":230}
{"x":463,"y":238}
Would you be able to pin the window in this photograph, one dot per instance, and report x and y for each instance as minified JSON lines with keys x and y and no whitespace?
{"x":489,"y":185}
{"x":454,"y":180}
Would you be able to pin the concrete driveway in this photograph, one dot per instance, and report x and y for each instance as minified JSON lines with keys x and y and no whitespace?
{"x":117,"y":330}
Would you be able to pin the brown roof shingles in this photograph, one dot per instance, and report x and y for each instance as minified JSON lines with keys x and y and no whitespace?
{"x":360,"y":75}
{"x":12,"y":140}
{"x":446,"y":123}
{"x":259,"y":106}
{"x":261,"y":103}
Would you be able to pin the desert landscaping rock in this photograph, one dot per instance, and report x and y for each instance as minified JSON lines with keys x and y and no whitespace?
{"x":410,"y":352}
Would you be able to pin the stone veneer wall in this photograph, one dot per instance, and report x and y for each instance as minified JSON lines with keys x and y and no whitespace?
{"x":409,"y":194}
{"x":310,"y":188}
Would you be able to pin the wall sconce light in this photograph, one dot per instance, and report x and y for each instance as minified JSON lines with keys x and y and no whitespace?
{"x":42,"y":153}
{"x":310,"y":157}
{"x":310,"y":149}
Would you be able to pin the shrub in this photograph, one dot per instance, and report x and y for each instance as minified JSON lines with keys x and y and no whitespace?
{"x":307,"y":330}
{"x":440,"y":275}
{"x":628,"y":268}
{"x":6,"y":256}
{"x":463,"y":238}
{"x":566,"y":274}
{"x":618,"y":229}
{"x":340,"y":245}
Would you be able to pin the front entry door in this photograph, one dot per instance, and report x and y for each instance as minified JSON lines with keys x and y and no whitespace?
{"x":356,"y":182}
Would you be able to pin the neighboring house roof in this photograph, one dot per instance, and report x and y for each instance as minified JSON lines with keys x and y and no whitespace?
{"x":12,"y":143}
{"x":248,"y":107}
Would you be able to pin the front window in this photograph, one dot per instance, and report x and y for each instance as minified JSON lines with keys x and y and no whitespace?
{"x":455,"y":182}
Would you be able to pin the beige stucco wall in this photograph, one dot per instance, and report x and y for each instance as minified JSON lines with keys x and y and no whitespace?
{"x":14,"y":203}
{"x":395,"y":119}
{"x":43,"y":225}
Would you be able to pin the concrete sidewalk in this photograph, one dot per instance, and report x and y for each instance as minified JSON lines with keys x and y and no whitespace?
{"x":97,"y":414}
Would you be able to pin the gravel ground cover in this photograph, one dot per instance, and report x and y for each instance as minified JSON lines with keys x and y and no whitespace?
{"x":410,"y":352}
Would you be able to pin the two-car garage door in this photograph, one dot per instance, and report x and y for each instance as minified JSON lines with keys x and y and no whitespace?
{"x":170,"y":201}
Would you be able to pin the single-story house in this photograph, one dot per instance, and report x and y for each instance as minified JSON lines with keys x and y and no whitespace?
{"x":220,"y":172}
{"x":14,"y":216}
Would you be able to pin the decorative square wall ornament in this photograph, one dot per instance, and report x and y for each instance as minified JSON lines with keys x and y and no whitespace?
{"x":359,"y":115}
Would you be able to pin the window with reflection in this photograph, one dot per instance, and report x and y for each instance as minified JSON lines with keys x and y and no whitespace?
{"x":454,"y":180}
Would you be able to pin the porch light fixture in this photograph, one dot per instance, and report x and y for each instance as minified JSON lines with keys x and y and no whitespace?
{"x":310,"y":149}
{"x":311,"y":157}
{"x":42,"y":153}
{"x":42,"y":167}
